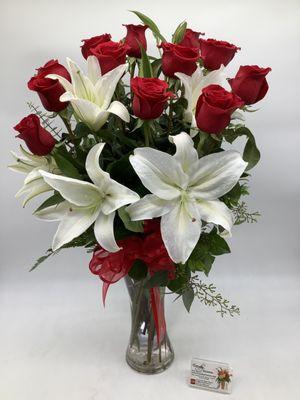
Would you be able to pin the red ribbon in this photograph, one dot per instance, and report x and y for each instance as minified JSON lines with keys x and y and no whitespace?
{"x":148,"y":247}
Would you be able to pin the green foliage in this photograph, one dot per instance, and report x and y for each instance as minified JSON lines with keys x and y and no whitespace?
{"x":151,"y":24}
{"x":207,"y":144}
{"x":56,"y":198}
{"x":203,"y":256}
{"x":241,"y":214}
{"x":188,"y":297}
{"x":145,"y":65}
{"x":179,"y":32}
{"x":156,"y":67}
{"x":41,"y":259}
{"x":160,"y":278}
{"x":47,"y":119}
{"x":138,"y":270}
{"x":208,"y":295}
{"x":66,"y":166}
{"x":134,"y":226}
{"x":251,"y":153}
{"x":87,"y":240}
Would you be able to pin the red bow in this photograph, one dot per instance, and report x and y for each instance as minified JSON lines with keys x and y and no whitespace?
{"x":149,"y":247}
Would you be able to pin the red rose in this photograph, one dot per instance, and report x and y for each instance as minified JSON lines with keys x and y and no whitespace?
{"x":50,"y":90}
{"x":177,"y":58}
{"x":39,"y":141}
{"x":135,"y":37}
{"x":250,"y":83}
{"x":150,"y":97}
{"x":214,"y":108}
{"x":191,"y":39}
{"x":110,"y":55}
{"x":88,"y":44}
{"x":214,"y":53}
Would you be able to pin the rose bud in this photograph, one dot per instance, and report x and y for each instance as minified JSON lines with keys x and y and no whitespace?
{"x":177,"y":58}
{"x":110,"y":55}
{"x":250,"y":83}
{"x":50,"y":90}
{"x":214,"y":108}
{"x":134,"y":38}
{"x":39,"y":141}
{"x":214,"y":53}
{"x":191,"y":39}
{"x":150,"y":97}
{"x":88,"y":44}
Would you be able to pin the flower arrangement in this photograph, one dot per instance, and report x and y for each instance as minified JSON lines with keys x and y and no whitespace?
{"x":223,"y":378}
{"x":139,"y":174}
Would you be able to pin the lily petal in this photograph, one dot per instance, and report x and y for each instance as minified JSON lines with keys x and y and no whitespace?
{"x":32,"y":189}
{"x":63,"y":81}
{"x":104,"y":232}
{"x":89,"y":112}
{"x":97,"y":175}
{"x":76,"y":221}
{"x":117,"y":196}
{"x":214,"y":175}
{"x":217,"y":212}
{"x":150,"y":206}
{"x":181,"y":229}
{"x":120,"y":110}
{"x":186,"y":153}
{"x":54,"y":213}
{"x":159,"y":172}
{"x":106,"y":85}
{"x":94,"y":70}
{"x":77,"y":192}
{"x":82,"y":86}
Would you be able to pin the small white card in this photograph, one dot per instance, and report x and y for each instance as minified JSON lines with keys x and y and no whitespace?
{"x":211,"y":375}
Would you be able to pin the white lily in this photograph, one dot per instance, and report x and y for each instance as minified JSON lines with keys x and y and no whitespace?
{"x":185,"y":190}
{"x":91,"y":94}
{"x":193,"y":86}
{"x":31,"y":165}
{"x":87,"y":203}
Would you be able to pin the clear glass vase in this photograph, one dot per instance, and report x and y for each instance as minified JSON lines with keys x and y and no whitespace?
{"x":149,"y":350}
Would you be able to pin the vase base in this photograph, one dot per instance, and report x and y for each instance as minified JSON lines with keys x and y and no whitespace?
{"x":155,"y":366}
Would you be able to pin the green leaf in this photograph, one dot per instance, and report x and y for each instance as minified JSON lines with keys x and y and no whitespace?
{"x":217,"y":245}
{"x":201,"y":259}
{"x":233,"y":196}
{"x":251,"y":153}
{"x":56,"y":198}
{"x":82,"y":130}
{"x":160,"y":278}
{"x":134,"y":226}
{"x":188,"y":298}
{"x":156,"y":67}
{"x":42,"y":259}
{"x":145,"y":65}
{"x":179,"y":32}
{"x":152,"y":25}
{"x":138,"y":270}
{"x":66,"y":167}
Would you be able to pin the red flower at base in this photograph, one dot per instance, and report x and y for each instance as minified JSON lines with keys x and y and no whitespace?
{"x":39,"y":141}
{"x":50,"y":90}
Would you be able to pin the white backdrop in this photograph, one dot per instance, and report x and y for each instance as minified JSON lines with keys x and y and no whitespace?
{"x":56,"y":340}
